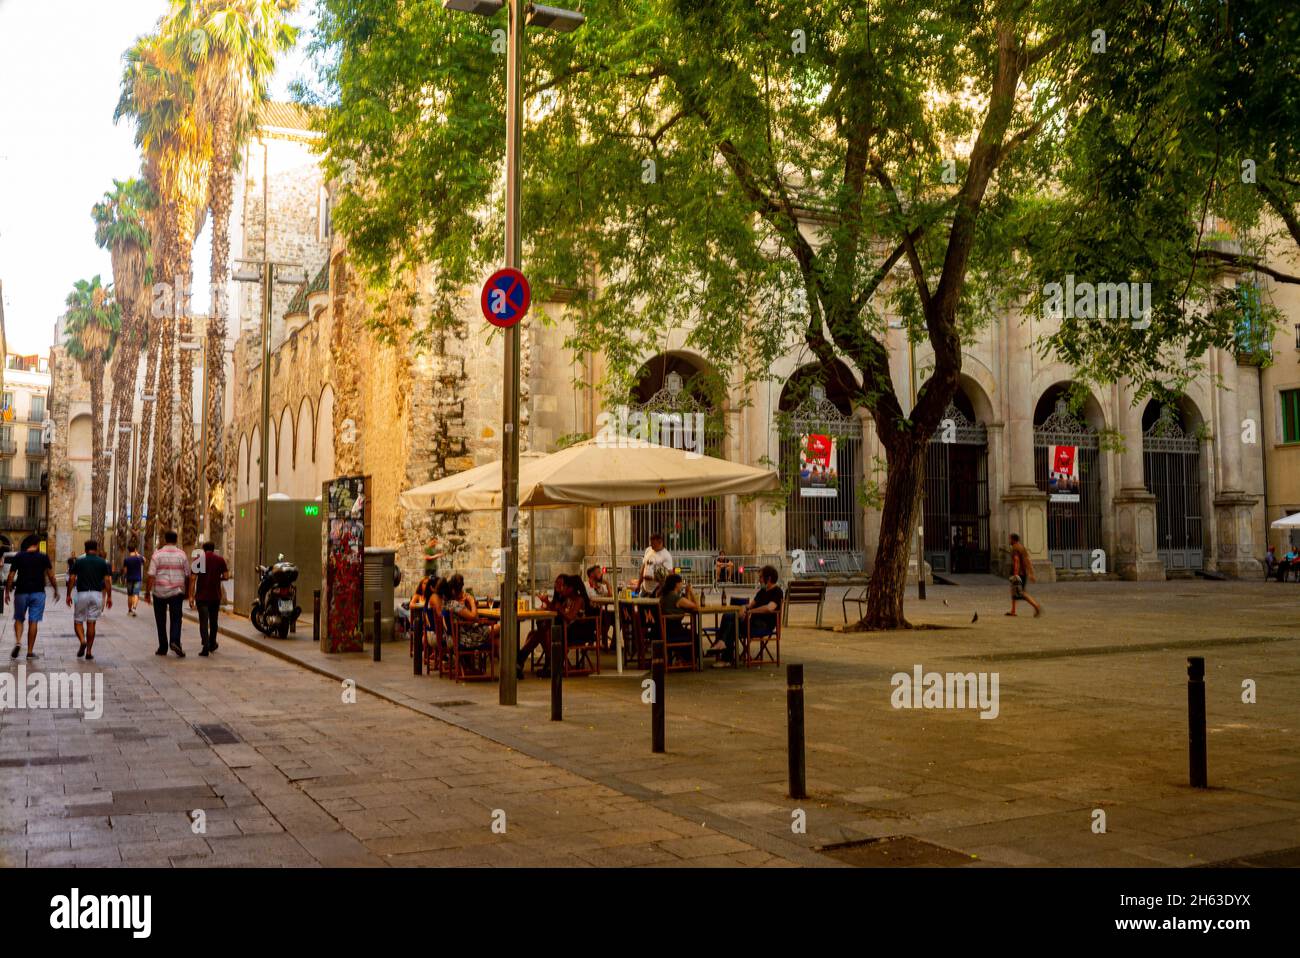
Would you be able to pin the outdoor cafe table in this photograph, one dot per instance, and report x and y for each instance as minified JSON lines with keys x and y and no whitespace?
{"x":717,"y":611}
{"x":521,"y":614}
{"x":645,"y":602}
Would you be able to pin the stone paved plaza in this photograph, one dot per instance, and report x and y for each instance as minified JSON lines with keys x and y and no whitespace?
{"x":1092,"y":716}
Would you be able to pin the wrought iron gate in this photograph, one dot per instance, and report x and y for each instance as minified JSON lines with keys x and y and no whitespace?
{"x":1171,"y":465}
{"x":824,"y":520}
{"x":1073,"y":528}
{"x":956,"y":517}
{"x":687,"y":525}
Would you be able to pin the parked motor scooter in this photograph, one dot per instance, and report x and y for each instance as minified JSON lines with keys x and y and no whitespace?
{"x":276,"y":609}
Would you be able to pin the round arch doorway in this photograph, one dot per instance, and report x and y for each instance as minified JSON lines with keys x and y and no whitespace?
{"x":1073,"y":505}
{"x":823,"y":508}
{"x":956,"y":519}
{"x":679,"y":393}
{"x":1171,"y":470}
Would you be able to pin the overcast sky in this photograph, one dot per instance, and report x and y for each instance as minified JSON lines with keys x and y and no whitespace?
{"x":60,"y":71}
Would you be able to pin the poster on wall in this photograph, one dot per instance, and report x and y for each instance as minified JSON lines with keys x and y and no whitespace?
{"x":818,"y":477}
{"x":835,"y":530}
{"x":1063,"y":477}
{"x":345,"y":565}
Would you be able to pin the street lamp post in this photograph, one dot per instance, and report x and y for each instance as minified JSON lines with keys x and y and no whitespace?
{"x":552,"y":18}
{"x":920,"y":524}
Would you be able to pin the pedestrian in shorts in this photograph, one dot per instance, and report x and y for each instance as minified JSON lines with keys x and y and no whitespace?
{"x":90,"y":591}
{"x":29,"y":570}
{"x":1022,"y":571}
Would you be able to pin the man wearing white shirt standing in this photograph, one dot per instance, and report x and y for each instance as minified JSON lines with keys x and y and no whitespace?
{"x":656,"y":565}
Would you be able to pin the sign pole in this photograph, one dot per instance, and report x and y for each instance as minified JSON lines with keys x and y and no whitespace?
{"x":510,"y":406}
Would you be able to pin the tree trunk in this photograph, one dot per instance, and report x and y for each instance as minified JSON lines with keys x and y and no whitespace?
{"x":144,"y":448}
{"x":98,"y":468}
{"x":220,"y":192}
{"x":189,"y":480}
{"x":905,"y":461}
{"x":165,"y":454}
{"x":125,"y":375}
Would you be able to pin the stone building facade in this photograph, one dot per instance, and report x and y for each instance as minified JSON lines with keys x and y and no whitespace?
{"x":23,"y":452}
{"x":1157,"y":491}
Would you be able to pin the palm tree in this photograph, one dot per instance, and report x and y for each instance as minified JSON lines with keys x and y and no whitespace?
{"x":90,"y":334}
{"x":158,"y":93}
{"x":120,"y":228}
{"x":231,"y":49}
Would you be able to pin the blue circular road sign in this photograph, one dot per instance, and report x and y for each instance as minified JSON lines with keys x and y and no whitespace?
{"x":506,"y":297}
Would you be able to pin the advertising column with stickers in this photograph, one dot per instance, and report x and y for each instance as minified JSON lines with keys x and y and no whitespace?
{"x":348,"y":509}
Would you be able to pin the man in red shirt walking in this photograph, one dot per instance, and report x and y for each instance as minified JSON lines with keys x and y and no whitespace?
{"x":205,"y":593}
{"x":1022,"y":571}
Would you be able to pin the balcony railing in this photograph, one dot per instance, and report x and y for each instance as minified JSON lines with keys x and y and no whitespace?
{"x":8,"y":447}
{"x":23,"y":483}
{"x":34,"y":450}
{"x":24,"y":523}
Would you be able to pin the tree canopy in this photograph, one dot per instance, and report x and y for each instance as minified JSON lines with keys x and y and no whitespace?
{"x":778,"y":175}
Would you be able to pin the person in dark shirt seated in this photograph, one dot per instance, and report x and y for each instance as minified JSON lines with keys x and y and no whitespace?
{"x":677,"y":596}
{"x":761,"y":611}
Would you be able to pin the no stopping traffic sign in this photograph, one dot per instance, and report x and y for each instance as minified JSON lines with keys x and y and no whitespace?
{"x":506,"y":296}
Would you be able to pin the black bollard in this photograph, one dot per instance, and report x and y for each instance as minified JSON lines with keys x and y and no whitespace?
{"x":377,"y":640}
{"x":794,"y":726}
{"x":557,"y":673}
{"x":657,"y":707}
{"x":1196,"y":722}
{"x":315,"y":616}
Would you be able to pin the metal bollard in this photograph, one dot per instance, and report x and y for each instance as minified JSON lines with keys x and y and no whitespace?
{"x":315,"y":616}
{"x":377,"y":639}
{"x":557,"y":673}
{"x":657,"y":708}
{"x":1196,"y":722}
{"x":794,"y":725}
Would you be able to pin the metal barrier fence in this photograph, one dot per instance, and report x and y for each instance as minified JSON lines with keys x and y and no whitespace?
{"x":698,"y":568}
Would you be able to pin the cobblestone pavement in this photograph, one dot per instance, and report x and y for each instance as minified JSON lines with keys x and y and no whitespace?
{"x":285,"y":773}
{"x":1093,"y":718}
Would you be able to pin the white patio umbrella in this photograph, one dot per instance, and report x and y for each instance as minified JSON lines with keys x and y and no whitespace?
{"x":440,"y":496}
{"x":1287,"y":522}
{"x":599,"y":475}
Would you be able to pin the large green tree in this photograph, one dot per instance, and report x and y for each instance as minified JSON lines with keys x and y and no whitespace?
{"x":778,"y":175}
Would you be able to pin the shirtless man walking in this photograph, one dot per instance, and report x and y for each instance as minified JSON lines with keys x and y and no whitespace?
{"x":1022,"y":571}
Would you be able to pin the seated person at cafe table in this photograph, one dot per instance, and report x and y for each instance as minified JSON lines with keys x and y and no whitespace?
{"x":678,"y":596}
{"x":761,"y":611}
{"x":656,"y":565}
{"x":569,"y":602}
{"x":474,"y":632}
{"x":596,"y":586}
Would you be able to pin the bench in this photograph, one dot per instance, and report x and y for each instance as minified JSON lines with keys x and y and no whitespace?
{"x":804,"y":592}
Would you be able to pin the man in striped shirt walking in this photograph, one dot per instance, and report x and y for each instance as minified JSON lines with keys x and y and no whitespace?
{"x":166,"y":585}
